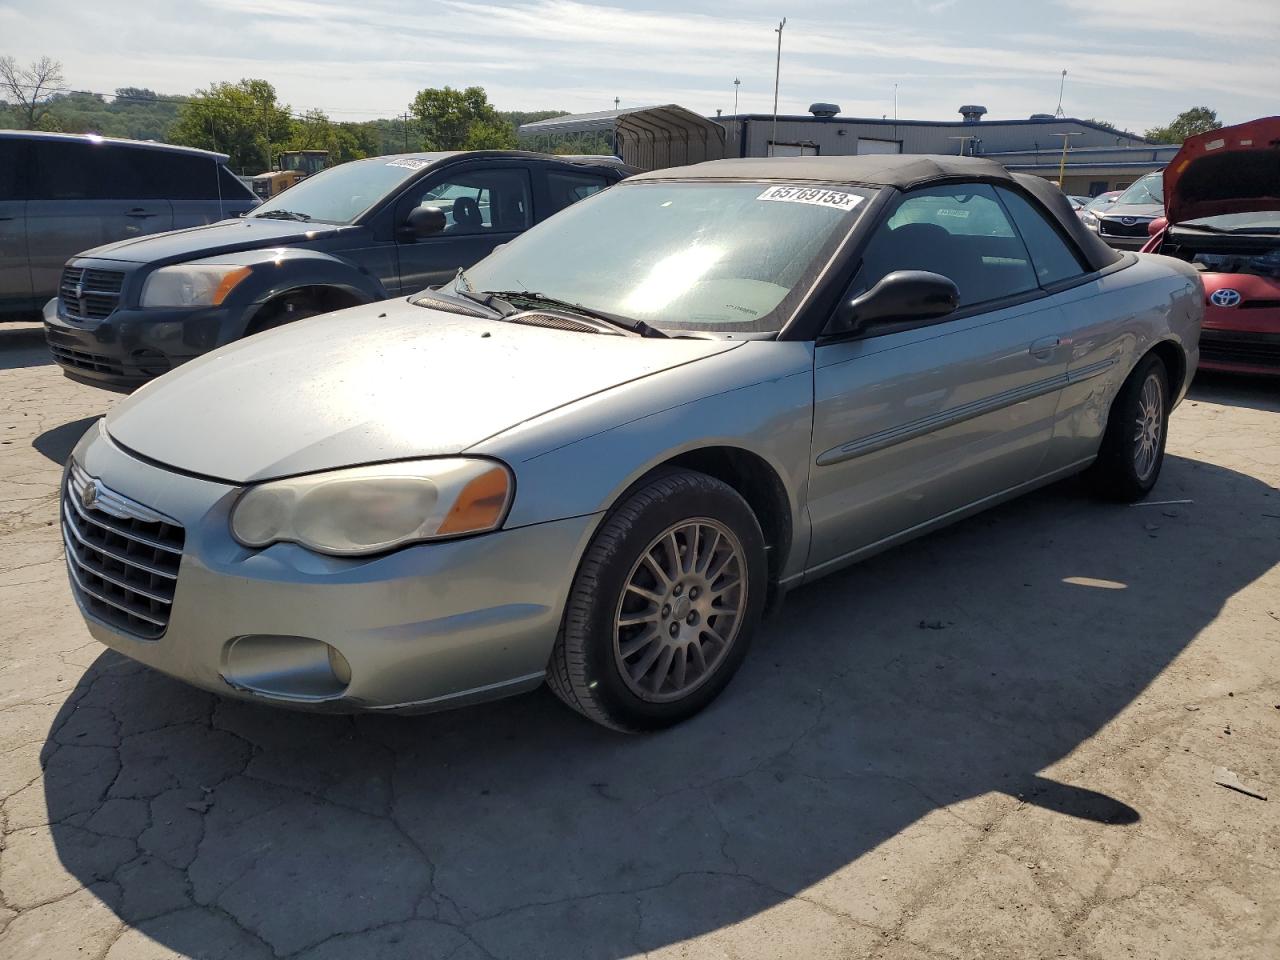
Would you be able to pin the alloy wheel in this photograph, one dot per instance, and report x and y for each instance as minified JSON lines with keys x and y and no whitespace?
{"x":681,"y":610}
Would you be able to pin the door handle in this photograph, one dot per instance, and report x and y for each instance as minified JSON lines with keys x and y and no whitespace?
{"x":1045,"y":346}
{"x":139,"y":214}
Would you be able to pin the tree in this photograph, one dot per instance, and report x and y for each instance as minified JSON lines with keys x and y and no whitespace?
{"x":315,"y":131}
{"x":1186,"y":124}
{"x":450,"y":119}
{"x":240,"y":119}
{"x":30,"y":87}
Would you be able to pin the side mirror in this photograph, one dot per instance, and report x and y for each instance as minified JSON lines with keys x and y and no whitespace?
{"x":901,"y":296}
{"x":425,"y":221}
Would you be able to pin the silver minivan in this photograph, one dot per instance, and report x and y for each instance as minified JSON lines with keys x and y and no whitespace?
{"x":64,"y":193}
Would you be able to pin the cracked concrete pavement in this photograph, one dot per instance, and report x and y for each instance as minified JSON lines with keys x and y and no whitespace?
{"x":995,"y":742}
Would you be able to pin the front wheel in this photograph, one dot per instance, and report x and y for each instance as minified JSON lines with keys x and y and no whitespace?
{"x":1132,"y":452}
{"x":663,"y":606}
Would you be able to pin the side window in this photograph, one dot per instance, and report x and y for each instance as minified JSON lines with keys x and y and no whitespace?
{"x":1051,"y":254}
{"x":85,"y":171}
{"x":176,"y":176}
{"x":481,"y":201}
{"x":232,"y":188}
{"x":13,"y":169}
{"x":961,"y":232}
{"x":568,"y":188}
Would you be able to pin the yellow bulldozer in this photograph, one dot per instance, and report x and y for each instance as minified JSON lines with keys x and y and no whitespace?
{"x":291,"y":166}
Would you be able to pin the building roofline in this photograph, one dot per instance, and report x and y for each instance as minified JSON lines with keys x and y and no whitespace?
{"x":1037,"y":121}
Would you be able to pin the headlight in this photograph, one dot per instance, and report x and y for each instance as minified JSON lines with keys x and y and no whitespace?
{"x":1089,"y":220}
{"x":191,"y":285}
{"x":371,"y":509}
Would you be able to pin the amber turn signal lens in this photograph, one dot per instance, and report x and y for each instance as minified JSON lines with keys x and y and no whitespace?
{"x":228,"y":283}
{"x":480,"y":504}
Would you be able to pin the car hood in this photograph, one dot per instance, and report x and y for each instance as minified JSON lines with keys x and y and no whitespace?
{"x":1230,"y":170}
{"x":380,"y":382}
{"x":1117,"y":210}
{"x":225,"y":236}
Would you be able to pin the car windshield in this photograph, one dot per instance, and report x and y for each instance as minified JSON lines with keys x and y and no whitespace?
{"x":342,"y":193}
{"x":1148,"y":190}
{"x":694,"y":255}
{"x":1265,"y":221}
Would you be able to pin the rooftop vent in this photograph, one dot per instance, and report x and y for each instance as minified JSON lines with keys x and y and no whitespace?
{"x":972,"y":113}
{"x":824,"y":109}
{"x":1043,"y":116}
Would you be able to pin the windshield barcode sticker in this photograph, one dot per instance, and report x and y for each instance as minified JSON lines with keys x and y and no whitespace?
{"x":818,"y":196}
{"x":410,"y":163}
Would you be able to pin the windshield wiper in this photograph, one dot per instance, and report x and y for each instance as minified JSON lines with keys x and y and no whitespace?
{"x":540,"y":299}
{"x":284,"y":215}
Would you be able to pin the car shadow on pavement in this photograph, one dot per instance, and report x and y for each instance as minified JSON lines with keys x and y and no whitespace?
{"x":22,"y":345}
{"x":926,"y":684}
{"x":57,"y":443}
{"x":1256,"y":393}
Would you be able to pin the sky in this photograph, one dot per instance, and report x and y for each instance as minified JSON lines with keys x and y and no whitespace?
{"x":1135,"y":63}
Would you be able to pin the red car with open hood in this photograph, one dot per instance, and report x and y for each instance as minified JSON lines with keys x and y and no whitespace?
{"x":1222,"y":204}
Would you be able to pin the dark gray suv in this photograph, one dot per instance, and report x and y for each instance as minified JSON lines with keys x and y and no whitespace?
{"x":63,"y":193}
{"x":363,"y":231}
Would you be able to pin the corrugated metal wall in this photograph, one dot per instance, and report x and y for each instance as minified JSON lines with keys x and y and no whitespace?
{"x":840,"y":137}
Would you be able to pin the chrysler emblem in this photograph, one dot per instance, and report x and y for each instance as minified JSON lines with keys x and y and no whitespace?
{"x":89,"y":494}
{"x":1226,"y":297}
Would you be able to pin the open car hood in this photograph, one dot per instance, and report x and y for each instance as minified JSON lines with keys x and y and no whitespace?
{"x":1230,"y":170}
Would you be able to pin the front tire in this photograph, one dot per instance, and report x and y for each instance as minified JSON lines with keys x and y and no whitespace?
{"x":1132,"y":452}
{"x":663,"y":606}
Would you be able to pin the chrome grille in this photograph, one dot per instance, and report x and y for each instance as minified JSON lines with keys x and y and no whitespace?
{"x":90,"y":294}
{"x":1116,"y":228}
{"x":122,"y":557}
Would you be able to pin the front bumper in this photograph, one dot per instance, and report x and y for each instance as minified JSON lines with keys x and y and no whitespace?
{"x":1240,"y":351}
{"x":132,"y":346}
{"x":426,"y":627}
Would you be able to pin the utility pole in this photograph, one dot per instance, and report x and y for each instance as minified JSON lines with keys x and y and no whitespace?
{"x":1061,"y":84}
{"x":737,"y":124}
{"x":616,"y":104}
{"x":895,"y":103}
{"x":405,"y":117}
{"x":777,"y":74}
{"x":1062,"y":164}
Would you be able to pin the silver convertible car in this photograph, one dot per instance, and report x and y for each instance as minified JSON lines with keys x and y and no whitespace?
{"x":595,"y":457}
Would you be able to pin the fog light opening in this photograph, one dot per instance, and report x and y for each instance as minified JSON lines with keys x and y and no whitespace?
{"x":286,"y":668}
{"x":338,"y":664}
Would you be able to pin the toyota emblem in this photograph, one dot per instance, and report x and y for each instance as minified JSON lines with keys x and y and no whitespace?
{"x":1225,"y":297}
{"x":89,"y":494}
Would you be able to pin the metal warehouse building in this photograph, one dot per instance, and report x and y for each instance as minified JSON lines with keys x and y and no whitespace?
{"x":1099,"y":158}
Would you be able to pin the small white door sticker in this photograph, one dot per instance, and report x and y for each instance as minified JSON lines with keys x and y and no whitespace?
{"x":817,"y":196}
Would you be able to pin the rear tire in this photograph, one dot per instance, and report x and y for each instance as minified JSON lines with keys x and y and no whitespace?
{"x":1132,"y":451}
{"x":663,"y":605}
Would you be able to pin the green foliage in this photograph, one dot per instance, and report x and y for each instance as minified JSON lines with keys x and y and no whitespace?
{"x":450,"y":119}
{"x":241,"y":119}
{"x":344,"y":141}
{"x":1186,"y":124}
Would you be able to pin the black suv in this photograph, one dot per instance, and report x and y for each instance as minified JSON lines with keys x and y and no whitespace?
{"x":62,"y":193}
{"x":363,"y":231}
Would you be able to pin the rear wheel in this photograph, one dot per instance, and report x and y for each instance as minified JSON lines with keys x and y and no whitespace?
{"x":663,"y":605}
{"x":1132,"y":452}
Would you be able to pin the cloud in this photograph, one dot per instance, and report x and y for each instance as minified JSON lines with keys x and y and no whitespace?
{"x":1137,"y":63}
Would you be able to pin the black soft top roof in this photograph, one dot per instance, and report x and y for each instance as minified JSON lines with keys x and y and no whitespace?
{"x":901,"y":172}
